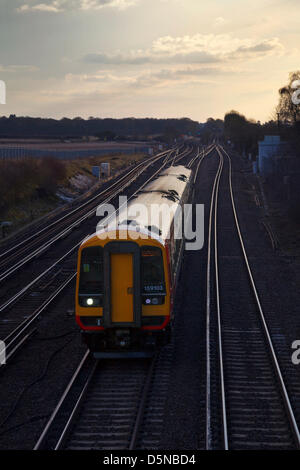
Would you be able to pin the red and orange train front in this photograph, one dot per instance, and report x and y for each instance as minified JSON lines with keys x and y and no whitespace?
{"x":123,"y":293}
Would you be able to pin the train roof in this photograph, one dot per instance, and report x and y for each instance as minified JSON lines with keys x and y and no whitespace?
{"x":146,"y":212}
{"x":173,"y":178}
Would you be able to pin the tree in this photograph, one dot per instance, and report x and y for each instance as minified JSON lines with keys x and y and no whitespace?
{"x":211,"y":129}
{"x":286,"y":109}
{"x":235,"y":125}
{"x":170,"y":134}
{"x":106,"y":135}
{"x":242,"y":132}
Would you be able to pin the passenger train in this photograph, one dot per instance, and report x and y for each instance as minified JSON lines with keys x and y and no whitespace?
{"x":127,"y":271}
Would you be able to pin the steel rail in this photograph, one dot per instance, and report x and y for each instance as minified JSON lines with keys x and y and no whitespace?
{"x":204,"y":154}
{"x":61,"y":402}
{"x":14,"y":340}
{"x":23,"y":291}
{"x":12,"y":346}
{"x":220,"y":342}
{"x":60,"y":438}
{"x":142,"y":406}
{"x":283,"y":389}
{"x":77,"y":209}
{"x":67,"y":428}
{"x":208,"y":313}
{"x":65,"y":231}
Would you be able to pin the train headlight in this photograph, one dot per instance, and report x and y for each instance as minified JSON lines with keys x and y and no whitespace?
{"x":159,"y":300}
{"x":153,"y":301}
{"x":90,"y":301}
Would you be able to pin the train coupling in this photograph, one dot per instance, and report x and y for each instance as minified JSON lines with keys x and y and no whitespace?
{"x":122,"y":338}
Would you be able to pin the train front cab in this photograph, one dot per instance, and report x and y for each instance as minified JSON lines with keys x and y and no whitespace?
{"x":123,"y":295}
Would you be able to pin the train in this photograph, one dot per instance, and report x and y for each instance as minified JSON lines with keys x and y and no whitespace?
{"x":127,"y":271}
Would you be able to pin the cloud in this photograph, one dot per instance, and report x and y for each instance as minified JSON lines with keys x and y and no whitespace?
{"x":134,"y":58}
{"x":40,"y":7}
{"x":98,"y":4}
{"x":197,"y":49}
{"x":147,"y":57}
{"x":109,"y":80}
{"x":219,"y":21}
{"x":18,"y":68}
{"x":166,"y":77}
{"x":218,"y":45}
{"x":58,"y":6}
{"x":265,"y":47}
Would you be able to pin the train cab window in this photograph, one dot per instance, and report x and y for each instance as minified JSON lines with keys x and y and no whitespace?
{"x":91,"y":280}
{"x":152,"y":274}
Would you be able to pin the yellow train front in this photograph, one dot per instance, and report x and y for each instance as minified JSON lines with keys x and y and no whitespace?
{"x":126,"y":276}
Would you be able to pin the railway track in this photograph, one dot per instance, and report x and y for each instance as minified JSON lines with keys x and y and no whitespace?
{"x":248,"y":405}
{"x":26,"y":235}
{"x":199,"y":157}
{"x":22,"y":252}
{"x":19,"y":324}
{"x":21,"y":311}
{"x":96,"y":413}
{"x":47,"y":261}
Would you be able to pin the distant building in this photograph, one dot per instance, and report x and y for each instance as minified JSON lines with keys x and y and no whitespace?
{"x":105,"y":169}
{"x":96,"y":171}
{"x":269,"y":148}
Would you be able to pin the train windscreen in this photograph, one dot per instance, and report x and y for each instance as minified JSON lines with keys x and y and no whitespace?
{"x":152,"y":270}
{"x":91,"y":283}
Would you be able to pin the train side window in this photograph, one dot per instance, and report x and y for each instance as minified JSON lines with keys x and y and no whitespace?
{"x":91,"y":280}
{"x":152,"y":270}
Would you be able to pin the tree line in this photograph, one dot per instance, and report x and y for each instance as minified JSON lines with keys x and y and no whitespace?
{"x":104,"y":129}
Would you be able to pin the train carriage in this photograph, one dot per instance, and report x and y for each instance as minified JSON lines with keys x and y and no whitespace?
{"x":127,"y":271}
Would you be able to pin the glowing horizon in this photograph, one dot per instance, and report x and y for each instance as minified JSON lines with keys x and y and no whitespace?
{"x":164,"y":58}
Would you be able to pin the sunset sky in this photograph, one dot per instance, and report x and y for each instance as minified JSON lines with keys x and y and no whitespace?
{"x":147,"y":58}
